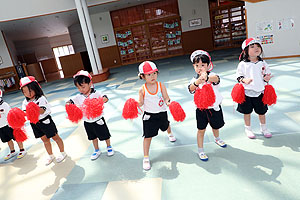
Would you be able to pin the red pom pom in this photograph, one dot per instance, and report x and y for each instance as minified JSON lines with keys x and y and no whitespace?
{"x":204,"y":97}
{"x":270,"y":96}
{"x":177,"y":111}
{"x":74,"y":113}
{"x":16,"y":118}
{"x":130,"y":109}
{"x":32,"y":112}
{"x":93,"y":107}
{"x":20,"y":135}
{"x":238,"y":93}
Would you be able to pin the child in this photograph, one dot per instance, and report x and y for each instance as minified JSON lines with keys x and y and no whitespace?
{"x":6,"y":132}
{"x":153,"y":95}
{"x":253,"y":73}
{"x":96,"y":128}
{"x":213,"y":115}
{"x":45,"y":128}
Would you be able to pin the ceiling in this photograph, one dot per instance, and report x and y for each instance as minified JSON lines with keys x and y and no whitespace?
{"x":56,"y":24}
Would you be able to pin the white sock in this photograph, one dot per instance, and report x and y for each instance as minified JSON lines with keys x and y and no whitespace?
{"x":263,"y":127}
{"x":200,"y":150}
{"x":51,"y":156}
{"x":248,"y":128}
{"x":146,"y":157}
{"x":217,"y":138}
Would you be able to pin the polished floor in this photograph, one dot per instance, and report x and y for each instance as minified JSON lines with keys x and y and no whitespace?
{"x":247,"y":169}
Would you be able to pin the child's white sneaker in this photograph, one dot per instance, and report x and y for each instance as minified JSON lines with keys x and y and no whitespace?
{"x":21,"y":154}
{"x":96,"y":154}
{"x":49,"y":160}
{"x":171,"y":137}
{"x":146,"y":164}
{"x":10,"y":155}
{"x":110,"y":151}
{"x":61,"y":157}
{"x":250,"y":134}
{"x":266,"y":133}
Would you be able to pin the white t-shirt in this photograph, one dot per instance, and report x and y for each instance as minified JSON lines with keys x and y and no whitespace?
{"x":256,"y":72}
{"x":79,"y":99}
{"x":42,"y":103}
{"x":4,"y":109}
{"x":219,"y":97}
{"x":154,"y":102}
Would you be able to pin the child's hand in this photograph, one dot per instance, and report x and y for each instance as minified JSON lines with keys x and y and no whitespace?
{"x":267,"y":77}
{"x":202,"y":78}
{"x":247,"y":80}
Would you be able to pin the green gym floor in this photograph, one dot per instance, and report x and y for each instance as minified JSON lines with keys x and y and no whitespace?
{"x":247,"y":169}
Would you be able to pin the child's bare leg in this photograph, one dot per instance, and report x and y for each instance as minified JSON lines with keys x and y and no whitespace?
{"x":216,"y":132}
{"x":11,"y":145}
{"x":200,"y":137}
{"x":247,"y":118}
{"x":146,"y":145}
{"x":20,"y":144}
{"x":262,"y":119}
{"x":107,"y":142}
{"x":59,"y":142}
{"x":169,"y":130}
{"x":95,"y":143}
{"x":47,"y":144}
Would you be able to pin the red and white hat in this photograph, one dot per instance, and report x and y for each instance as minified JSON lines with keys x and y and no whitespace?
{"x":1,"y":93}
{"x":147,"y":67}
{"x":250,"y":41}
{"x":26,"y":80}
{"x":83,"y":73}
{"x":202,"y":52}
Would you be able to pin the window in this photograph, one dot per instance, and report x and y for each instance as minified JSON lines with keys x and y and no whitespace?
{"x":62,"y":51}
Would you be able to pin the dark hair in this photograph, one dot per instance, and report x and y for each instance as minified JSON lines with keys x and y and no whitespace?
{"x":245,"y":54}
{"x":79,"y":80}
{"x":34,"y":86}
{"x":203,"y":58}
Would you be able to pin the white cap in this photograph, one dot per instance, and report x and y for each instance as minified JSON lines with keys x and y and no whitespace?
{"x":202,"y":52}
{"x":83,"y":73}
{"x":26,"y":80}
{"x":147,"y":67}
{"x":250,"y":41}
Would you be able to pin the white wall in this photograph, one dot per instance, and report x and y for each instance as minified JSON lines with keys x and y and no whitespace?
{"x":60,"y":40}
{"x":102,"y":25}
{"x":286,"y":42}
{"x":12,"y":49}
{"x":77,"y":39}
{"x":41,"y":47}
{"x":193,"y":9}
{"x":15,"y":9}
{"x":7,"y":62}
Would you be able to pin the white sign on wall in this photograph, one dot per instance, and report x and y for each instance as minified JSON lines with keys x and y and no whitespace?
{"x":285,"y":24}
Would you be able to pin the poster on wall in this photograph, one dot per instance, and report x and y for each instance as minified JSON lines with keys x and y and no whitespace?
{"x":266,"y":39}
{"x":264,"y":27}
{"x":285,"y":24}
{"x":104,"y":39}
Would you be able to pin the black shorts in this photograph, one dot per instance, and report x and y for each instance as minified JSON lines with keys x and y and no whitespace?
{"x":253,"y":103}
{"x":6,"y":134}
{"x":214,"y":118}
{"x":45,"y":126}
{"x":97,"y":129}
{"x":152,"y":122}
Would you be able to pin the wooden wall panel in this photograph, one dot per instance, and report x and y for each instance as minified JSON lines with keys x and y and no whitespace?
{"x":197,"y":39}
{"x":34,"y":69}
{"x":49,"y":66}
{"x":71,"y":64}
{"x":110,"y":57}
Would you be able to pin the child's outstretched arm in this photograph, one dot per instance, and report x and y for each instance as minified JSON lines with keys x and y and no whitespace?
{"x":141,"y":97}
{"x":165,"y":94}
